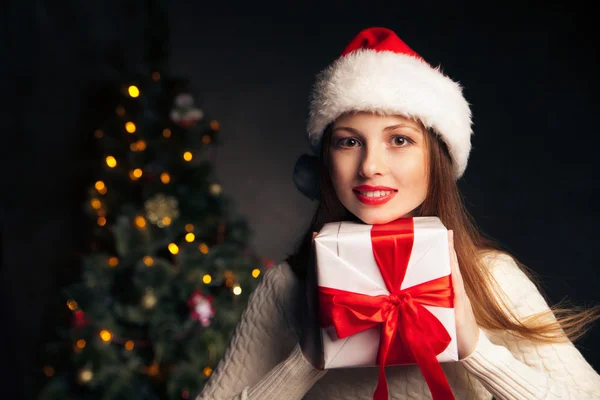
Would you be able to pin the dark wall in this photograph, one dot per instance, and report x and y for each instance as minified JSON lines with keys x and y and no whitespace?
{"x":530,"y":75}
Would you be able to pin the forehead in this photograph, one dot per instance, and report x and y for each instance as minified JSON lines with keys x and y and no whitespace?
{"x":358,"y":119}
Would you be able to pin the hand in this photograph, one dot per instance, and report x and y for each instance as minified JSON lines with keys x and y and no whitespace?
{"x":467,"y":330}
{"x":310,"y":340}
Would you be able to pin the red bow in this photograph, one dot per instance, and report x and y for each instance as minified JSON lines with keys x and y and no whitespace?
{"x":410,"y":333}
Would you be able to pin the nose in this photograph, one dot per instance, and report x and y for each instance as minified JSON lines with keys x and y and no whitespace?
{"x":373,"y":162}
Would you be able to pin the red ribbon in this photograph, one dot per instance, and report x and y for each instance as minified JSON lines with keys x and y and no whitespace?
{"x":410,"y":334}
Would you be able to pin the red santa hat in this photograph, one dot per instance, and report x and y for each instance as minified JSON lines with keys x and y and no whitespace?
{"x":378,"y":72}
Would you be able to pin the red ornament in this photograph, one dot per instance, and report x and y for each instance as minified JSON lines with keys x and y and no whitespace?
{"x":202,"y":308}
{"x":79,"y":319}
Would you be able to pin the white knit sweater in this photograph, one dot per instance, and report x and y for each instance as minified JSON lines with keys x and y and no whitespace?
{"x":264,"y":361}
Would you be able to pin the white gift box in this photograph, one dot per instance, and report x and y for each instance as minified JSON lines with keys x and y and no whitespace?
{"x":345,"y":261}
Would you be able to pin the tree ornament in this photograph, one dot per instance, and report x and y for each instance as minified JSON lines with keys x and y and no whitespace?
{"x":184,"y":113}
{"x":161,"y":210}
{"x":202,"y":307}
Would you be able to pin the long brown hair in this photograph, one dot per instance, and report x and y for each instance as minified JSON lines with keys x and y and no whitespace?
{"x":444,"y":200}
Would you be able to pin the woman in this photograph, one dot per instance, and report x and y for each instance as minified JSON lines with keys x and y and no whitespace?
{"x":389,"y":127}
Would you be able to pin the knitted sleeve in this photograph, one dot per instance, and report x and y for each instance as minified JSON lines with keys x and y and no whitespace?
{"x":263,"y":359}
{"x":520,"y":369}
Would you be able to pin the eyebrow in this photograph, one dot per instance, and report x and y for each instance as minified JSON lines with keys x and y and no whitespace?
{"x":386,"y":129}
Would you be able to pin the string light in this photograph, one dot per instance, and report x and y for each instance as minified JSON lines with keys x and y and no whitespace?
{"x":189,"y":227}
{"x":237,"y":290}
{"x":100,"y":185}
{"x":207,"y":371}
{"x":137,"y":173}
{"x":203,"y":248}
{"x":130,"y":127}
{"x":166,"y":133}
{"x":129,"y":345}
{"x":134,"y":91}
{"x":113,"y":261}
{"x":140,"y":221}
{"x":206,"y":139}
{"x":96,"y":203}
{"x":111,"y":161}
{"x":207,"y":279}
{"x":173,"y":248}
{"x":105,"y":335}
{"x":141,"y":145}
{"x":255,"y":272}
{"x":187,"y":156}
{"x":85,"y":375}
{"x":215,"y":125}
{"x":101,"y":221}
{"x":215,"y":189}
{"x":80,"y":343}
{"x":166,"y":221}
{"x":72,"y":304}
{"x":148,"y":261}
{"x":165,"y":178}
{"x":48,"y":370}
{"x":190,"y":237}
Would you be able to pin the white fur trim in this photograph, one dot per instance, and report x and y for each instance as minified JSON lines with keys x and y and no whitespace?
{"x":390,"y":83}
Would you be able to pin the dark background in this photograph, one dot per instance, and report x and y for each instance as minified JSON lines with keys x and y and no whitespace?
{"x":530,"y":74}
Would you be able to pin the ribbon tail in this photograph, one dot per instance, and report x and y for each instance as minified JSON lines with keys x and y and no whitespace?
{"x":426,"y":358}
{"x":390,"y":326}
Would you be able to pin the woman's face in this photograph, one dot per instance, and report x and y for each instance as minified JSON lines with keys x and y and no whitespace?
{"x":375,"y":150}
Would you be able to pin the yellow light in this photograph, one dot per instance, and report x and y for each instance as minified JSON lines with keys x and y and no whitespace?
{"x":155,"y":76}
{"x":215,"y":125}
{"x":129,"y":345}
{"x":98,"y":133}
{"x":203,"y":248}
{"x":72,"y":304}
{"x":100,"y":185}
{"x":120,"y":111}
{"x":140,"y":221}
{"x":255,"y":272}
{"x":137,"y":173}
{"x":141,"y":145}
{"x":187,"y":156}
{"x":237,"y":290}
{"x":190,"y":237}
{"x":189,"y":227}
{"x":206,"y":139}
{"x":148,"y":261}
{"x":111,"y":161}
{"x":173,"y":248}
{"x":80,"y":343}
{"x":48,"y":370}
{"x":96,"y":204}
{"x":165,"y":177}
{"x":166,"y":221}
{"x":102,"y":191}
{"x":101,"y":221}
{"x":134,"y":91}
{"x":207,"y":371}
{"x":105,"y":335}
{"x":113,"y":261}
{"x":167,"y":132}
{"x":133,"y":146}
{"x":207,"y":279}
{"x":130,"y":127}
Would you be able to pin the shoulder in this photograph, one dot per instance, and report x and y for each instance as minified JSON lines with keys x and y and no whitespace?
{"x":284,"y":288}
{"x":513,"y":285}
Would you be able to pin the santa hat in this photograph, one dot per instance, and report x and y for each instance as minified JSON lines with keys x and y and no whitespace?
{"x":378,"y":72}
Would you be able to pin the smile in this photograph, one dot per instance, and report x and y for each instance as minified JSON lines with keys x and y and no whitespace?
{"x":376,"y":197}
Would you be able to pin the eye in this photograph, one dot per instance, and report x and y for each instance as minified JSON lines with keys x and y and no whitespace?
{"x":402,"y":140}
{"x":346,"y":142}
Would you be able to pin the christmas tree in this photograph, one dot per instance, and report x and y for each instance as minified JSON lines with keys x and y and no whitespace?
{"x":169,"y":267}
